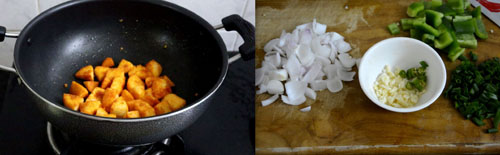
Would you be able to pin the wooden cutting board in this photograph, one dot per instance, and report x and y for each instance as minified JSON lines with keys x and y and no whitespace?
{"x":347,"y":121}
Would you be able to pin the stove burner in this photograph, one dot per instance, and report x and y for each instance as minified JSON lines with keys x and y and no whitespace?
{"x":63,"y":144}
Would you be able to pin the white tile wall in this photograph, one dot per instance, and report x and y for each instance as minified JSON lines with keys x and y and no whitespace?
{"x":15,"y":14}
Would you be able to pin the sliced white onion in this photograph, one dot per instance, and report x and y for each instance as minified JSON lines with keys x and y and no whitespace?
{"x":320,"y":76}
{"x":302,"y":59}
{"x":310,"y":93}
{"x":303,"y":26}
{"x":278,"y":50}
{"x":297,"y":101}
{"x":274,"y":59}
{"x":346,"y":60}
{"x":318,"y":85}
{"x":283,"y":61}
{"x":335,"y":36}
{"x":270,"y":100}
{"x":305,"y":54}
{"x":293,"y":67}
{"x":312,"y":73}
{"x":268,"y":66}
{"x":345,"y":76}
{"x":295,"y":89}
{"x":283,"y":38}
{"x":322,"y":60}
{"x":342,"y":46}
{"x":275,"y":87}
{"x":331,"y":71}
{"x":319,"y":49}
{"x":280,"y":75}
{"x":333,"y":52}
{"x":269,"y":46}
{"x":305,"y":36}
{"x":320,"y":28}
{"x":262,"y":89}
{"x":285,"y":99}
{"x":306,"y":109}
{"x":358,"y":61}
{"x":334,"y":85}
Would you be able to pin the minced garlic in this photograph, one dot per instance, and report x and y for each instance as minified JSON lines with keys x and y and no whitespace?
{"x":390,"y":89}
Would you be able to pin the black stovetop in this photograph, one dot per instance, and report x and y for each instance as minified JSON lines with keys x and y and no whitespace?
{"x":226,"y":127}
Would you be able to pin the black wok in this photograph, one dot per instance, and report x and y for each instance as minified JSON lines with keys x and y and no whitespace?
{"x":55,"y":44}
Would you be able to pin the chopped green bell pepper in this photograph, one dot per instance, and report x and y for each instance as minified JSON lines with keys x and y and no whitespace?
{"x":466,"y":4}
{"x":467,"y":26}
{"x":407,"y":23}
{"x":426,"y":28}
{"x":480,"y":30}
{"x":416,"y":33}
{"x":415,"y":8}
{"x":447,"y":22}
{"x":427,"y":38}
{"x":454,"y":45}
{"x":456,"y":5}
{"x":420,"y":14}
{"x":455,"y":53}
{"x":436,"y":3}
{"x":393,"y":28}
{"x":461,"y":18}
{"x":467,"y":40}
{"x":476,"y":13}
{"x":447,"y":11}
{"x":443,"y":40}
{"x":433,"y":18}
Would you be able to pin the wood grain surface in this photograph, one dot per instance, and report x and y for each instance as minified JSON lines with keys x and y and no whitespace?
{"x":347,"y":121}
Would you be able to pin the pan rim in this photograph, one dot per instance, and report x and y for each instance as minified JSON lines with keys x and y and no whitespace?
{"x":202,"y":22}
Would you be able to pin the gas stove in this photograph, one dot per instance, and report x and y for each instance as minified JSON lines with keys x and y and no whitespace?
{"x":226,"y":127}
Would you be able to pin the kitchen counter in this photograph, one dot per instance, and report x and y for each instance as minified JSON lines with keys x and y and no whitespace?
{"x":347,"y":121}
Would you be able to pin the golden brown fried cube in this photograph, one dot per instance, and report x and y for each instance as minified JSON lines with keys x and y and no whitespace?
{"x":86,"y":73}
{"x":101,"y":112}
{"x":110,"y":95}
{"x":133,"y":114}
{"x":72,"y":101}
{"x":174,"y":101}
{"x":150,"y":98}
{"x":119,"y":107}
{"x":96,"y":94}
{"x":154,"y":67}
{"x":111,"y":115}
{"x":91,"y":85}
{"x":118,"y":83}
{"x":127,"y":96}
{"x":170,"y":82}
{"x":125,"y":65}
{"x":90,"y":107}
{"x":141,"y":71}
{"x":100,"y":72}
{"x":135,"y":86}
{"x":78,"y":90}
{"x":145,"y":110}
{"x":112,"y":73}
{"x":149,"y":81}
{"x":160,"y":88}
{"x":108,"y":62}
{"x":133,"y":104}
{"x":162,"y":108}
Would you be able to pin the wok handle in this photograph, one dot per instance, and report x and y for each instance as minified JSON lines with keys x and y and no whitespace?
{"x":246,"y":31}
{"x":3,"y":34}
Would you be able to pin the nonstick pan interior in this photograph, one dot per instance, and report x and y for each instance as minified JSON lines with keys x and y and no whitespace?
{"x":59,"y":42}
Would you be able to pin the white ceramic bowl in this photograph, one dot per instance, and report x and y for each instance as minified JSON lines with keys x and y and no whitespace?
{"x":403,"y":53}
